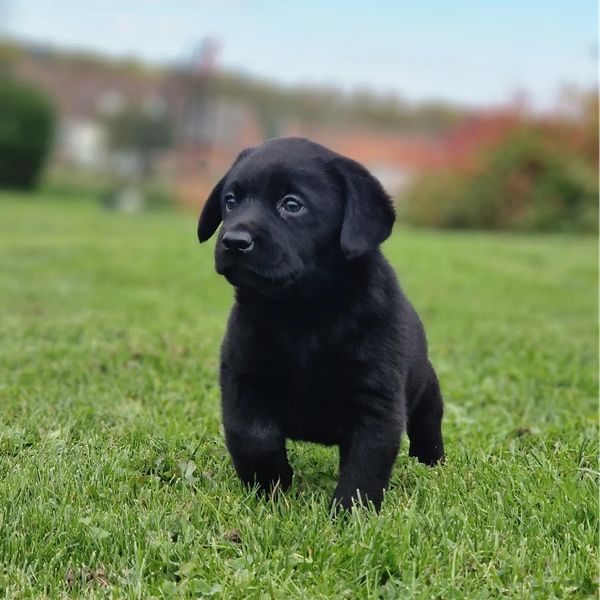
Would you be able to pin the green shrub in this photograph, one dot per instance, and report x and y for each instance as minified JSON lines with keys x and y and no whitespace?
{"x":526,"y":182}
{"x":26,"y":127}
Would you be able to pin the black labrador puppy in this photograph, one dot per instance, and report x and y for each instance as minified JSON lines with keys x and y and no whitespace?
{"x":321,"y":345}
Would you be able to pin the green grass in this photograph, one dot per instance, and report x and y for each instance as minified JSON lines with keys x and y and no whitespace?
{"x":114,"y":479}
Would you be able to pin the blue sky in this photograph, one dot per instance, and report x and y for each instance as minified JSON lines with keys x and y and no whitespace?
{"x":477,"y":52}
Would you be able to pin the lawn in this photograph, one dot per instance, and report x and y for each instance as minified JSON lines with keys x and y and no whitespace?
{"x":114,"y":479}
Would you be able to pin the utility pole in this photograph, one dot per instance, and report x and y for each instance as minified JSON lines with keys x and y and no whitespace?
{"x":196,"y":122}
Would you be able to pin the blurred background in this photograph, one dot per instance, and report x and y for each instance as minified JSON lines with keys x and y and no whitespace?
{"x":472,"y":114}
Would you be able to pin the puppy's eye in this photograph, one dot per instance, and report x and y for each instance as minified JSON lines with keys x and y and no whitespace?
{"x":230,"y":202}
{"x":291,"y":204}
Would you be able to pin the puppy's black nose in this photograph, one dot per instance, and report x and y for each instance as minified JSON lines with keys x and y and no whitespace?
{"x":238,"y":240}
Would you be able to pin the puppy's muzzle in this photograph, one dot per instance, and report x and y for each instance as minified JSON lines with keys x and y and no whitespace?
{"x":238,"y":241}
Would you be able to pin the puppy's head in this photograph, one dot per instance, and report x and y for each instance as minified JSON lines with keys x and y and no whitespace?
{"x":292,"y":210}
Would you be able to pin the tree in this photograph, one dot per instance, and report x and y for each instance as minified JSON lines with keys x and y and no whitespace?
{"x":27,"y":119}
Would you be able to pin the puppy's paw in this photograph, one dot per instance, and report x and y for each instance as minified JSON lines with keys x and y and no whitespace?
{"x":272,"y":482}
{"x":342,"y":502}
{"x":282,"y":481}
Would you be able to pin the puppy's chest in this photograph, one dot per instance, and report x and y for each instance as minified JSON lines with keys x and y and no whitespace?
{"x":316,"y":371}
{"x":310,"y":358}
{"x":317,"y":400}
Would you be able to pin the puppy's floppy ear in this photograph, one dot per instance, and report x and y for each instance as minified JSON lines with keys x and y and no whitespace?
{"x":368,"y":212}
{"x":210,"y":217}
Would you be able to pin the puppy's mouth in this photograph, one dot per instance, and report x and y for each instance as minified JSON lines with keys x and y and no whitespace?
{"x":246,"y":277}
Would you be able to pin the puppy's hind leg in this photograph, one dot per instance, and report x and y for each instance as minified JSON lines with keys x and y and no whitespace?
{"x":260,"y":459}
{"x":425,"y":424}
{"x":366,"y":460}
{"x":252,"y":432}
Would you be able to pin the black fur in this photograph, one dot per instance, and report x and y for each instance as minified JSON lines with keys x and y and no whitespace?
{"x":321,"y":345}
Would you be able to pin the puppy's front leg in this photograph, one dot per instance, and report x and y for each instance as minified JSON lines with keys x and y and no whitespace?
{"x":366,"y":460}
